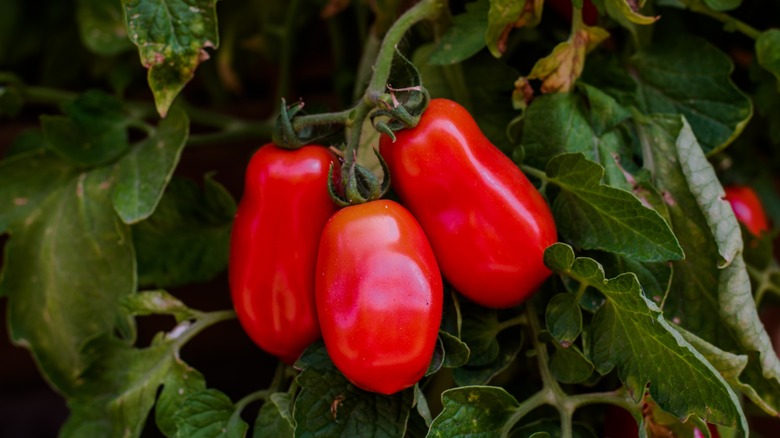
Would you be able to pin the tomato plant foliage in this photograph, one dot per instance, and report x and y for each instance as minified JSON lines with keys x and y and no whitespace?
{"x":628,"y":120}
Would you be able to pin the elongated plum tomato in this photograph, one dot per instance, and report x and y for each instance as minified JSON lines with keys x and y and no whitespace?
{"x":487,"y":223}
{"x":273,"y":250}
{"x":379,"y":296}
{"x":748,"y":208}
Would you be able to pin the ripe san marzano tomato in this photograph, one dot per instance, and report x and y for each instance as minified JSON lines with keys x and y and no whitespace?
{"x":274,"y":247}
{"x":748,"y":209}
{"x":379,"y":296}
{"x":487,"y":223}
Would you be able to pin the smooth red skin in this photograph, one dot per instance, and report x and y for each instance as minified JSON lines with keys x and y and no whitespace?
{"x":379,"y":296}
{"x":487,"y":223}
{"x":274,"y":247}
{"x":748,"y":209}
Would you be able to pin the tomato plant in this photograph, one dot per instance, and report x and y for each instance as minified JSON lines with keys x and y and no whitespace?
{"x":274,"y":245}
{"x":379,"y":296}
{"x":748,"y":209}
{"x":565,"y":166}
{"x":488,"y":224}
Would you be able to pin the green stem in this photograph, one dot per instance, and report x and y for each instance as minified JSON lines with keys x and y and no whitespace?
{"x":764,"y":282}
{"x":521,"y":319}
{"x":370,"y":50}
{"x":541,"y":398}
{"x":288,"y":43}
{"x":617,"y":398}
{"x":551,"y":393}
{"x":538,"y":173}
{"x":279,"y":376}
{"x":340,"y":118}
{"x":203,"y":321}
{"x":729,"y":21}
{"x":420,"y":11}
{"x":236,"y":132}
{"x":262,"y":394}
{"x":384,"y":61}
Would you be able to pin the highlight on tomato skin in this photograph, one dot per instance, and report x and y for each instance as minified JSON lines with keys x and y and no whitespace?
{"x":273,"y":249}
{"x":379,"y":296}
{"x":748,"y":209}
{"x":487,"y":224}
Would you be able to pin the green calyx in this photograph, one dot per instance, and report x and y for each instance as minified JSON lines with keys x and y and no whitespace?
{"x":358,"y":184}
{"x":284,"y":134}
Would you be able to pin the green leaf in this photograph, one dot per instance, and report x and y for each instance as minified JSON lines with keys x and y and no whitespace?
{"x":688,"y":76}
{"x":655,"y":278}
{"x":465,"y":38}
{"x":102,"y":26}
{"x":569,"y":365}
{"x":492,"y":342}
{"x":171,"y":36}
{"x":768,"y":52}
{"x":473,"y":411}
{"x":93,"y":132}
{"x":456,"y":352}
{"x":564,"y":318}
{"x":181,"y":382}
{"x":502,"y":15}
{"x":28,"y":140}
{"x":26,"y":181}
{"x":187,"y":239}
{"x":680,"y":379}
{"x":597,"y":216}
{"x":157,"y":303}
{"x":732,"y":367}
{"x":604,"y":111}
{"x":623,"y":9}
{"x":209,"y":414}
{"x":561,"y":122}
{"x":421,"y":403}
{"x":69,"y":265}
{"x":329,"y":405}
{"x":275,"y":418}
{"x":119,"y":389}
{"x":710,"y":294}
{"x":145,"y":171}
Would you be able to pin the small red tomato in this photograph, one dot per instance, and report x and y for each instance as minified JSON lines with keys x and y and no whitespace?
{"x":487,"y":223}
{"x":379,"y":296}
{"x":748,"y":209}
{"x":274,"y":247}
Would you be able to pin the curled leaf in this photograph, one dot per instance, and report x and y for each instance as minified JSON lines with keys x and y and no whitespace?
{"x":561,"y":69}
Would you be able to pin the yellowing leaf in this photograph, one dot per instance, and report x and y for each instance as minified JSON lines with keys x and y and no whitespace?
{"x":559,"y":70}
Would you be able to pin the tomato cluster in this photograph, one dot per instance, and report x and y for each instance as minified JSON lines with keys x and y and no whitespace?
{"x":368,"y":277}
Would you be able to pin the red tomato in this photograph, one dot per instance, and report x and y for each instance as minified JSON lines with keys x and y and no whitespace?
{"x":379,"y":296}
{"x":487,"y":223}
{"x":274,"y":247}
{"x":748,"y":209}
